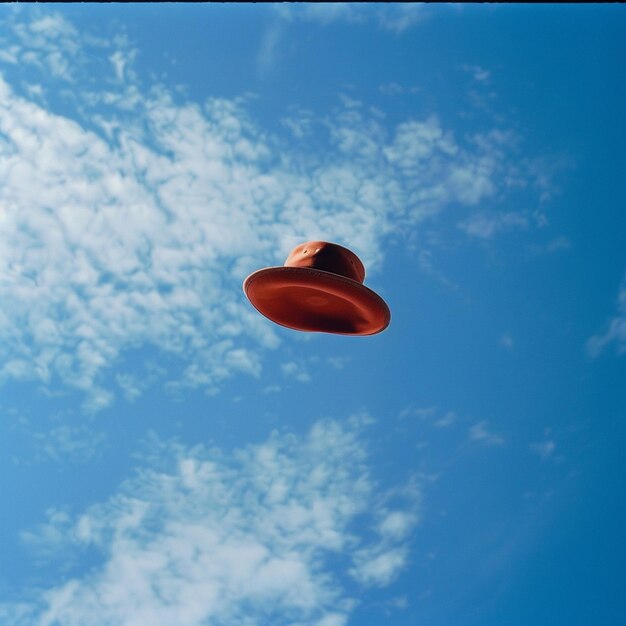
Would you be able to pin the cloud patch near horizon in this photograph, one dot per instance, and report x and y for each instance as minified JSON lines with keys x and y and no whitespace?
{"x":277,"y":532}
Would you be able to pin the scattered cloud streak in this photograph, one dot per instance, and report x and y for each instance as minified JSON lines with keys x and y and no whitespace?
{"x":479,"y":433}
{"x":132,"y":222}
{"x":545,"y":449}
{"x":392,"y":17}
{"x":478,"y":73}
{"x":296,"y":370}
{"x":486,"y":226}
{"x":200,"y":537}
{"x":615,"y":332}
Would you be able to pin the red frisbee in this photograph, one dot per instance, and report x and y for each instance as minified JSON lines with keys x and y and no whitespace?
{"x":319,"y":289}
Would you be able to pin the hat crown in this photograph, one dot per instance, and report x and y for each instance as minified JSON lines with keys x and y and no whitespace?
{"x":328,"y":257}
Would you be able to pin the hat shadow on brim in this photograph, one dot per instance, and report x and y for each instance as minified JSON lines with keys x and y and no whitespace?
{"x":314,"y":300}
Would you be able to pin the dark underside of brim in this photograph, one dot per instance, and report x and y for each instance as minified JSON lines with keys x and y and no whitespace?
{"x":312,"y":300}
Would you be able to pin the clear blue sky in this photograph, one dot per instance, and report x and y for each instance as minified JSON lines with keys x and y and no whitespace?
{"x":170,"y":457}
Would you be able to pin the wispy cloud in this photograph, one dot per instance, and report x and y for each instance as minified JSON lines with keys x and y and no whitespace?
{"x":479,"y":433}
{"x":74,"y":443}
{"x":133,"y":222}
{"x":252,"y":537}
{"x":421,"y":412}
{"x":446,"y":420}
{"x":478,"y":73}
{"x":296,"y":370}
{"x":64,"y":437}
{"x":544,"y":449}
{"x":268,"y":49}
{"x":432,"y":414}
{"x":615,"y":332}
{"x":49,"y":42}
{"x":486,"y":226}
{"x":392,"y":17}
{"x":338,"y":362}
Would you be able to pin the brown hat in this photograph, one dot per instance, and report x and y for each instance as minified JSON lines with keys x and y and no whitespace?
{"x":319,"y":289}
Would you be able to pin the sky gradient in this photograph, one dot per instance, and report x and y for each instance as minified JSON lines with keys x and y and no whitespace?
{"x":169,"y":456}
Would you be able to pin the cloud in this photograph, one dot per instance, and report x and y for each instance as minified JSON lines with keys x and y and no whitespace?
{"x":272,"y":389}
{"x":446,"y":420}
{"x":296,"y":370}
{"x":400,"y":603}
{"x":432,"y":414}
{"x":398,"y":17}
{"x":122,"y":60}
{"x":131,"y":223}
{"x":544,"y":449}
{"x":615,"y":332}
{"x":375,"y":567}
{"x":479,"y":74}
{"x":338,"y":362}
{"x":74,"y":443}
{"x":468,"y":174}
{"x":559,"y":243}
{"x":268,"y":534}
{"x":420,"y":412}
{"x":268,"y":49}
{"x":392,"y":17}
{"x":486,"y":226}
{"x":48,"y":41}
{"x":480,"y":434}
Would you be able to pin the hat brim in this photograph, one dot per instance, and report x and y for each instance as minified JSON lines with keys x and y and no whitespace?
{"x":313,"y":300}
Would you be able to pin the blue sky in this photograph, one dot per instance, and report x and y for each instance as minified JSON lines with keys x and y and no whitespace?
{"x":168,"y":456}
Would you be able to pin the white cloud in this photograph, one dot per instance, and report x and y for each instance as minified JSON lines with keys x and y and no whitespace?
{"x":258,"y":536}
{"x":446,"y":420}
{"x":48,"y":41}
{"x":399,"y":603}
{"x":478,"y":73}
{"x":108,"y":246}
{"x":323,"y":12}
{"x":396,"y":525}
{"x":338,"y":362}
{"x":268,"y":50}
{"x":64,"y":437}
{"x":296,"y":370}
{"x":544,"y":449}
{"x":272,"y":389}
{"x":486,"y":226}
{"x":392,"y":17}
{"x":468,"y":173}
{"x":8,"y":56}
{"x":398,"y":17}
{"x":420,"y":412}
{"x":615,"y":332}
{"x":74,"y":443}
{"x":391,"y":89}
{"x":559,"y":243}
{"x":300,"y":124}
{"x":375,"y":567}
{"x":134,"y":223}
{"x":122,"y":60}
{"x":479,"y":433}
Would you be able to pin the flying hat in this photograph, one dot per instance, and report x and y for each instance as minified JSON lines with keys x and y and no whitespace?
{"x":318,"y":289}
